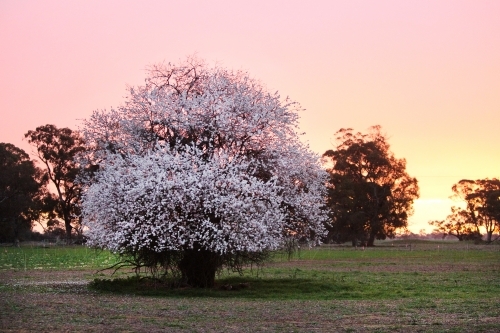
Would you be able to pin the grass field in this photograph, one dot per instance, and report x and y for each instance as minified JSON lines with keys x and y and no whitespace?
{"x":400,"y":286}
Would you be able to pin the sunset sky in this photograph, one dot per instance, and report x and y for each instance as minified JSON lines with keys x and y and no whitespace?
{"x":428,"y":72}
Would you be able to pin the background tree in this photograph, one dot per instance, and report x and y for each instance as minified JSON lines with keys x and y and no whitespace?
{"x":22,"y":187}
{"x":370,"y":194}
{"x":492,"y":203}
{"x":457,"y":224}
{"x":482,"y":199}
{"x":200,"y":169}
{"x":57,"y":148}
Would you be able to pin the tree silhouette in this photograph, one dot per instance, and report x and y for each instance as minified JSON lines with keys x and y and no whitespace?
{"x":482,"y":198}
{"x":22,"y":189}
{"x":370,"y":194}
{"x":57,"y":148}
{"x":457,"y":224}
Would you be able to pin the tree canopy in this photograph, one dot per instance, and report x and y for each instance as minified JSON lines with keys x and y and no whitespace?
{"x":482,"y":207}
{"x":22,"y":189}
{"x":457,"y":224}
{"x":200,"y":169}
{"x":370,"y":194}
{"x":57,"y":149}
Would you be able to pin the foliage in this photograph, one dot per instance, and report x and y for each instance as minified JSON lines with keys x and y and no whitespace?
{"x":370,"y":194}
{"x":201,"y":168}
{"x":457,"y":224}
{"x":22,"y":187}
{"x":482,"y":199}
{"x":57,"y":148}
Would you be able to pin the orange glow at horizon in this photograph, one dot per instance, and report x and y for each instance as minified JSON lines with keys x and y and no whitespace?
{"x":426,"y":71}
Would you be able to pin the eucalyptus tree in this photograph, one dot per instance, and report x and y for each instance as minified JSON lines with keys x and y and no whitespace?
{"x":22,"y":192}
{"x":482,"y":199}
{"x":57,"y":148}
{"x":457,"y":224}
{"x":370,"y":194}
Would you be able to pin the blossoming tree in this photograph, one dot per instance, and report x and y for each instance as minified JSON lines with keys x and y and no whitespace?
{"x":201,"y":168}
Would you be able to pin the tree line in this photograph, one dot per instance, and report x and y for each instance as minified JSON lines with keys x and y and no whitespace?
{"x":30,"y":194}
{"x":202,"y":168}
{"x":369,"y":193}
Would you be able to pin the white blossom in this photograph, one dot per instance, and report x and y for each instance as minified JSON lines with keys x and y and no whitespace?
{"x":200,"y":156}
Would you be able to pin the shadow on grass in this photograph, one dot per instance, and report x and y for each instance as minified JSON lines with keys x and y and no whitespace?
{"x":317,"y":285}
{"x":238,"y":287}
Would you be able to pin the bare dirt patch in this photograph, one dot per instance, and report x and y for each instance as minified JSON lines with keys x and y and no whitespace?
{"x":46,"y":276}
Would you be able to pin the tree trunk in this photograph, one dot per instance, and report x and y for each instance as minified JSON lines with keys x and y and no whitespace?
{"x":16,"y":232}
{"x":198,"y":267}
{"x":371,"y":240}
{"x":489,"y":235}
{"x":68,"y":227}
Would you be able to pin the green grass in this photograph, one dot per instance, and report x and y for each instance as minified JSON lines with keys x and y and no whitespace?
{"x":377,"y":274}
{"x":452,"y":271}
{"x":390,"y":288}
{"x":54,"y":257}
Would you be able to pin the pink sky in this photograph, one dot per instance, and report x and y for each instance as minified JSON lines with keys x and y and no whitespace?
{"x":427,"y":71}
